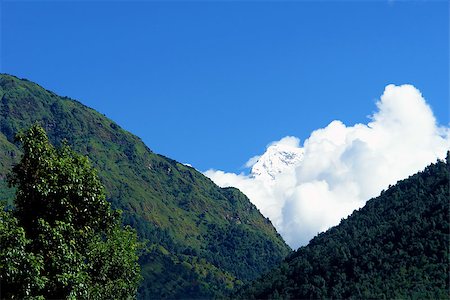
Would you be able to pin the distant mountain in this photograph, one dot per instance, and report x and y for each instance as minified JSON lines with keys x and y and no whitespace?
{"x":203,"y":240}
{"x":395,"y":247}
{"x":277,"y":159}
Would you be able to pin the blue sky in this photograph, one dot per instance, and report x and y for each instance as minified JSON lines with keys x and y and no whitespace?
{"x":211,"y":83}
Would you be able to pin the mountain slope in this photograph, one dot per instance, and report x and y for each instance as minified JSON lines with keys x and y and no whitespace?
{"x":277,"y":159}
{"x":202,"y":240}
{"x":396,"y":246}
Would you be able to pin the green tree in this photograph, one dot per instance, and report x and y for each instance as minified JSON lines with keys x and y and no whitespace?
{"x":66,"y":231}
{"x":19,"y":268}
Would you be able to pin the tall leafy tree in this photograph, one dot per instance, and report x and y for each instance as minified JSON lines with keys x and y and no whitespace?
{"x":66,"y":230}
{"x":19,"y":268}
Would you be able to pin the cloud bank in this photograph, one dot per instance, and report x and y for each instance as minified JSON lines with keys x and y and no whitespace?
{"x":305,"y":189}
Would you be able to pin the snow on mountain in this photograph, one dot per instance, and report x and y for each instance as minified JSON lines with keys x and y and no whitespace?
{"x":278,"y":158}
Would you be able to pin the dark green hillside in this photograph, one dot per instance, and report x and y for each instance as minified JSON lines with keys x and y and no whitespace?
{"x":203,"y":240}
{"x":396,"y":247}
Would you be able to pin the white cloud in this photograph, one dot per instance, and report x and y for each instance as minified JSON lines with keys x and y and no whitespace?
{"x":252,"y":161}
{"x":338,"y":168}
{"x":290,"y":141}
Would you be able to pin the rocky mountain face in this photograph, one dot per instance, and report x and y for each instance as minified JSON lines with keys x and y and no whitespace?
{"x":201,"y":240}
{"x":277,"y":159}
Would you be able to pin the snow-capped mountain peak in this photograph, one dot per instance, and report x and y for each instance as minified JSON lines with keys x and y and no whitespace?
{"x":277,"y":159}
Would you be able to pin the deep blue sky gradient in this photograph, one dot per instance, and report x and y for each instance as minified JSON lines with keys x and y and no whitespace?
{"x":212,"y":82}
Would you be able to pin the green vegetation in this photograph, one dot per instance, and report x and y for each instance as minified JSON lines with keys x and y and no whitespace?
{"x":201,"y":240}
{"x":62,"y":240}
{"x":395,"y":247}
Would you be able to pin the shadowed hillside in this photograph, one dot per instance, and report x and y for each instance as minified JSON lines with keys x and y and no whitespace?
{"x":395,"y":247}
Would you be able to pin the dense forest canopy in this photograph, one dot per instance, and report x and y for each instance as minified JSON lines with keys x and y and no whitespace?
{"x":396,"y":246}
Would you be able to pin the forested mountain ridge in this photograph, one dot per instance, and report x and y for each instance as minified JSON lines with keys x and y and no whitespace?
{"x":202,"y":240}
{"x":396,"y":246}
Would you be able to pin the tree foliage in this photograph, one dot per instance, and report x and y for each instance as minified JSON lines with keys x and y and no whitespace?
{"x":19,"y":268}
{"x":63,"y":240}
{"x":170,"y":204}
{"x":395,"y":247}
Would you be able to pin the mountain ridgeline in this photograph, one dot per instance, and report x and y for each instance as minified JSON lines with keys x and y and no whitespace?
{"x":395,"y":247}
{"x":202,"y":240}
